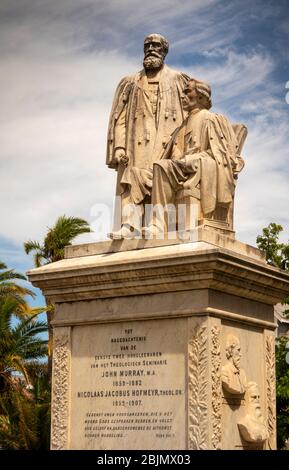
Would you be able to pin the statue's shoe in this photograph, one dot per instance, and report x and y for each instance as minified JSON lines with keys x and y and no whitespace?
{"x":126,"y":232}
{"x":152,"y":231}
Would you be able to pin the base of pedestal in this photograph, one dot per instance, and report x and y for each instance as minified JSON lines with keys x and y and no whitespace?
{"x":142,"y":335}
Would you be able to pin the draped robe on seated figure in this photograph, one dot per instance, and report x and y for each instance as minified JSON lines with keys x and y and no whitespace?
{"x":207,"y":144}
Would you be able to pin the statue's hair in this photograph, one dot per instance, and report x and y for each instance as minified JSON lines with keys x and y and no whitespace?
{"x":252,"y":387}
{"x":204,"y":92}
{"x":164,"y":41}
{"x":232,"y":342}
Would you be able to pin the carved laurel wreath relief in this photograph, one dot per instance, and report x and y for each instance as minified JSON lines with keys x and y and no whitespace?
{"x":270,"y":389}
{"x":216,"y":387}
{"x":60,"y":389}
{"x":198,"y":400}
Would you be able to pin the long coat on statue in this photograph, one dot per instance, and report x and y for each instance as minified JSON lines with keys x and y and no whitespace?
{"x":142,"y":133}
{"x":206,"y":140}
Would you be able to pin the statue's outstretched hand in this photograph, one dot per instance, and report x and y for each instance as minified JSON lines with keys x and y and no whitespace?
{"x":192,"y":162}
{"x":183,"y":165}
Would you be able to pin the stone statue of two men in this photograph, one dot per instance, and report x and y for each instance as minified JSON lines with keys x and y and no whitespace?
{"x":167,"y":147}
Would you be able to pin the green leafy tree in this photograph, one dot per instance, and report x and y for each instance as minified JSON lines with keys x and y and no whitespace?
{"x":51,"y":250}
{"x":25,"y":413}
{"x":24,"y":395}
{"x":277,"y":254}
{"x":282,"y":390}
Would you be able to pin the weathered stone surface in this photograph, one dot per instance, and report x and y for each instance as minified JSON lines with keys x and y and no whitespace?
{"x":253,"y":427}
{"x":186,"y":299}
{"x":179,"y":267}
{"x":204,"y":233}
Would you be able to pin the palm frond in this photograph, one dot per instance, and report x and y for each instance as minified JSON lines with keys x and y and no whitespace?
{"x":32,"y":245}
{"x":38,"y":258}
{"x":14,"y":290}
{"x":61,"y":235}
{"x":20,"y":342}
{"x":11,"y":274}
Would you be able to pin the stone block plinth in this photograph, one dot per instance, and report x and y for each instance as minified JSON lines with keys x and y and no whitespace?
{"x":163,"y":345}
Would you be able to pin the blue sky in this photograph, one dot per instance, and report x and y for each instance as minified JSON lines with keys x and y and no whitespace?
{"x":60,"y":63}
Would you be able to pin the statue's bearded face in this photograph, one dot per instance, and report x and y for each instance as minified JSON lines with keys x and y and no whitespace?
{"x":153,"y":54}
{"x":254,"y":401}
{"x":236,"y":356}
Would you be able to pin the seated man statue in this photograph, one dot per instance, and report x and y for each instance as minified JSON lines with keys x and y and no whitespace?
{"x":201,"y":159}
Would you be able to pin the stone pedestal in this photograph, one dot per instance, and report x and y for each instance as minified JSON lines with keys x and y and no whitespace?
{"x":140,"y":335}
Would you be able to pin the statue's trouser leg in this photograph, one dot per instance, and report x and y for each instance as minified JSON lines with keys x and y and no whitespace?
{"x":163,"y":196}
{"x":131,"y":213}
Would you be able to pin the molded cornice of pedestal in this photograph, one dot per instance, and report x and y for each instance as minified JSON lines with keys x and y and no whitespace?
{"x":178,"y":267}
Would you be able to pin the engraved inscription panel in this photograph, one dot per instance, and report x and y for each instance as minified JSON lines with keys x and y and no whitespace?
{"x":128,"y":385}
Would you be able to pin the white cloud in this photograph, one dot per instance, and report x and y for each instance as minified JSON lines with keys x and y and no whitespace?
{"x":243,"y":89}
{"x":53,"y":140}
{"x":236,"y":74}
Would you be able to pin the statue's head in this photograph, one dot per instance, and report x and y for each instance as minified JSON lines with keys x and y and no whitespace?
{"x":233,"y":350}
{"x":197,"y":94}
{"x":254,"y":398}
{"x":155,"y":50}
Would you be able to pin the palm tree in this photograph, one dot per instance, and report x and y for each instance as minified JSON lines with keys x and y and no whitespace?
{"x":20,"y":345}
{"x":25,"y":414}
{"x":24,"y":420}
{"x":24,"y":417}
{"x":57,"y":237}
{"x":9,"y":288}
{"x":51,"y":250}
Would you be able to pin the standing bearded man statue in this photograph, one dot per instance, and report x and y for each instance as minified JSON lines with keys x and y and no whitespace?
{"x":146,"y":110}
